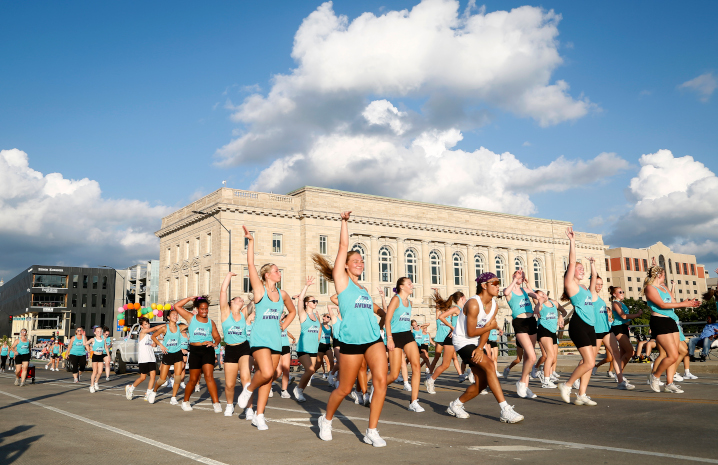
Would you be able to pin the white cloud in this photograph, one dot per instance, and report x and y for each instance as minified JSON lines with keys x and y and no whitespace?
{"x":596,"y":221}
{"x":48,"y":219}
{"x":703,"y":85}
{"x":383,"y":113}
{"x":526,"y":144}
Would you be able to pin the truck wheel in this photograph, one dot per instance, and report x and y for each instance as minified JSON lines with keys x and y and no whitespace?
{"x":120,"y":365}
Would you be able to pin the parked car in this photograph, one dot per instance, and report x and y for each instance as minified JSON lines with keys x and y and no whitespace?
{"x":125,"y":349}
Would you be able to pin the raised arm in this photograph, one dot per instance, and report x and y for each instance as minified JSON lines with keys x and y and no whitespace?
{"x":300,"y":299}
{"x":340,"y":275}
{"x":568,"y":281}
{"x":560,"y":308}
{"x":179,"y":306}
{"x":254,"y":279}
{"x":223,"y":302}
{"x":333,"y":313}
{"x":531,"y":293}
{"x":290,"y":308}
{"x":334,"y":299}
{"x":515,"y":284}
{"x":157,"y":341}
{"x":594,"y":277}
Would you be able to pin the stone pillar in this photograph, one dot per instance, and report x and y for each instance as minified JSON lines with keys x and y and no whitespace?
{"x":550,"y":273}
{"x":449,"y":269}
{"x":471,"y":267}
{"x":468,"y":265}
{"x":373,"y":264}
{"x":491,"y":259}
{"x":530,"y":267}
{"x":425,"y":272}
{"x":400,"y":268}
{"x":510,"y":268}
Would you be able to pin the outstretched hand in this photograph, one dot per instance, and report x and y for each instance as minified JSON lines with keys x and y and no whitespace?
{"x":570,"y":234}
{"x":247,"y":234}
{"x":310,"y":280}
{"x":345,"y":215}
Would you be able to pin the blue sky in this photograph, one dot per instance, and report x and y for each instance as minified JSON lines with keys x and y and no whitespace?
{"x":136,"y":97}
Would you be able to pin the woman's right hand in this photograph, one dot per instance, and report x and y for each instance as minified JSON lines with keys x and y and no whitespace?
{"x":310,"y":280}
{"x":232,"y":274}
{"x":345,"y":215}
{"x":570,"y":234}
{"x":163,"y":348}
{"x":390,"y":343}
{"x":247,"y":234}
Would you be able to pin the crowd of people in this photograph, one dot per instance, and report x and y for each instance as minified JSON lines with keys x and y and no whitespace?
{"x":370,"y":344}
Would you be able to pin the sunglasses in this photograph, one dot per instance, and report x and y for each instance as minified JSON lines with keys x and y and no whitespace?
{"x":494,"y":283}
{"x":313,"y":301}
{"x":620,"y":292}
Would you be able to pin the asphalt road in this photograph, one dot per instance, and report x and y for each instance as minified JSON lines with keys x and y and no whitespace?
{"x":56,"y":421}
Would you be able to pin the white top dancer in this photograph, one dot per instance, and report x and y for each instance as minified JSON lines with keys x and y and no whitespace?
{"x":145,"y":351}
{"x":459,"y":338}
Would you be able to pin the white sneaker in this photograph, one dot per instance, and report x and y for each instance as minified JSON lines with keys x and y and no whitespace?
{"x":611,"y":375}
{"x":151,"y":397}
{"x":407,"y":386}
{"x":508,"y":415}
{"x":217,"y":407}
{"x":530,"y":394}
{"x":653,"y":382}
{"x":172,"y":382}
{"x":399,"y":380}
{"x":533,"y":374}
{"x":165,"y":383}
{"x":354,"y":395}
{"x":689,"y":375}
{"x":75,"y":381}
{"x":129,"y":389}
{"x":429,"y":383}
{"x":456,"y":409}
{"x":147,"y":395}
{"x":259,"y":422}
{"x":673,"y":388}
{"x":661,"y":383}
{"x":92,"y":389}
{"x":484,"y":392}
{"x":182,"y":385}
{"x":367,"y":399}
{"x":285,"y":395}
{"x":173,"y":401}
{"x":499,"y":375}
{"x":565,"y":392}
{"x":506,"y":371}
{"x":229,"y":410}
{"x":372,"y":437}
{"x":584,"y":400}
{"x":593,"y":372}
{"x":540,"y":376}
{"x":471,"y":377}
{"x":249,"y":414}
{"x":107,"y":378}
{"x":244,"y":397}
{"x":577,"y":384}
{"x":325,"y":428}
{"x":677,"y":377}
{"x":548,"y":384}
{"x":521,"y":389}
{"x":271,"y":392}
{"x":626,"y":386}
{"x":186,"y":406}
{"x":426,"y":370}
{"x":299,"y":394}
{"x":324,"y":376}
{"x":555,"y":377}
{"x":309,"y":383}
{"x":46,"y":367}
{"x":415,"y":407}
{"x":196,"y":387}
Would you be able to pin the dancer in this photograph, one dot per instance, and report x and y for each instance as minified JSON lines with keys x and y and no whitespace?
{"x":549,"y":321}
{"x":286,"y":360}
{"x":108,"y":356}
{"x":325,"y":347}
{"x":336,"y":321}
{"x":424,"y":346}
{"x":55,"y":360}
{"x":308,"y":338}
{"x":203,"y":338}
{"x":451,"y":307}
{"x":266,"y":339}
{"x":619,"y":327}
{"x":171,"y":346}
{"x":4,"y":349}
{"x":441,"y":332}
{"x":580,"y":330}
{"x":494,"y":344}
{"x":663,"y":326}
{"x":98,"y":345}
{"x":21,"y":347}
{"x":77,"y":353}
{"x":361,"y":340}
{"x":401,"y":340}
{"x":525,"y":327}
{"x":469,"y":339}
{"x":145,"y":359}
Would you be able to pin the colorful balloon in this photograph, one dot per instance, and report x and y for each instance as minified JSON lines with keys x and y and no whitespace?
{"x":120,"y":309}
{"x":121,"y":322}
{"x":137,"y":306}
{"x":153,"y":306}
{"x":168,"y":306}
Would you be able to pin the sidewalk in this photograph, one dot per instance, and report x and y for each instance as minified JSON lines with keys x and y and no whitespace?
{"x":566,"y":363}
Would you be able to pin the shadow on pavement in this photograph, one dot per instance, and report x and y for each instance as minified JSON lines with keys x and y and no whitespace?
{"x":12,"y":451}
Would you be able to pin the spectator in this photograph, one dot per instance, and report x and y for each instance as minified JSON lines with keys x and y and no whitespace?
{"x":706,"y":338}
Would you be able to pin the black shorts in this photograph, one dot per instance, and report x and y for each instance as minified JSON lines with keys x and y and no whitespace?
{"x":232,"y":354}
{"x":19,"y":358}
{"x":170,"y":358}
{"x":359,"y":349}
{"x":147,"y":368}
{"x":493,"y":344}
{"x":336,"y":343}
{"x":662,"y":325}
{"x":424,"y":347}
{"x":78,"y":362}
{"x":200,"y":356}
{"x":311,"y":354}
{"x":600,"y":336}
{"x":620,"y":329}
{"x":466,"y":352}
{"x":581,"y":333}
{"x":402,"y":338}
{"x":274,"y":352}
{"x":449,"y":341}
{"x":524,"y":325}
{"x":98,"y":358}
{"x":55,"y":356}
{"x":324,"y":348}
{"x":543,"y":332}
{"x":286,"y":350}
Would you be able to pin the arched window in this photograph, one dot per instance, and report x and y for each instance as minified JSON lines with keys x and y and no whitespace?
{"x":385,"y":274}
{"x":670,"y":266}
{"x":360,"y":248}
{"x":435,"y":267}
{"x":458,"y":269}
{"x":479,"y":264}
{"x":538,"y":274}
{"x":518,"y":263}
{"x":412,"y":268}
{"x":501,"y":270}
{"x":662,"y":262}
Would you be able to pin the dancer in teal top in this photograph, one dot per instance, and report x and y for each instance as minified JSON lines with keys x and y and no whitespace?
{"x":265,"y":342}
{"x":619,"y":327}
{"x":550,"y":315}
{"x":171,"y":347}
{"x":324,"y":351}
{"x":359,"y":334}
{"x":448,"y":310}
{"x":76,"y":353}
{"x":98,"y":345}
{"x":519,"y":295}
{"x":3,"y":355}
{"x":336,"y":321}
{"x":21,"y":347}
{"x":285,"y":360}
{"x":441,"y":339}
{"x":308,"y":338}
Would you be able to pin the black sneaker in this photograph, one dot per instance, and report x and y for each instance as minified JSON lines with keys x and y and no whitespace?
{"x":703,"y":358}
{"x":692,"y":358}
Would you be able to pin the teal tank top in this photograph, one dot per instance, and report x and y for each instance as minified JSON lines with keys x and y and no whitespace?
{"x":309,"y":337}
{"x":418,"y":336}
{"x":55,"y":350}
{"x":520,"y":304}
{"x":617,"y":320}
{"x":583,"y":304}
{"x":427,"y":338}
{"x":184,"y":342}
{"x":172,"y":341}
{"x":3,"y":352}
{"x":494,"y":335}
{"x":549,"y":317}
{"x":200,"y":332}
{"x":666,"y":298}
{"x":77,"y":348}
{"x":335,"y":329}
{"x":12,"y":354}
{"x":268,"y":332}
{"x":602,"y":324}
{"x":216,"y":349}
{"x":98,"y":346}
{"x":357,"y":311}
{"x":401,"y":319}
{"x":249,"y":330}
{"x":23,"y":348}
{"x":454,"y":319}
{"x":285,"y":339}
{"x":441,"y":331}
{"x":681,"y":337}
{"x":326,"y":335}
{"x":234,"y":331}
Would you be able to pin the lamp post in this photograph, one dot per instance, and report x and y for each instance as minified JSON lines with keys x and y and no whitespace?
{"x":229,"y":231}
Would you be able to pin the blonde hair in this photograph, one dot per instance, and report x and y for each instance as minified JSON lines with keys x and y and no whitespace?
{"x":325,"y":267}
{"x":266,"y":268}
{"x":651,"y":275}
{"x":445,"y":304}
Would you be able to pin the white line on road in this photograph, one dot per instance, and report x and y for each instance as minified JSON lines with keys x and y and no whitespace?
{"x":183,"y":453}
{"x":516,"y":448}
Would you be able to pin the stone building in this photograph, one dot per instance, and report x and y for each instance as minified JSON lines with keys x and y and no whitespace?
{"x":438,"y":246}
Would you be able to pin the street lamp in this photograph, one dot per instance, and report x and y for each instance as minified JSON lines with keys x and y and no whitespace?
{"x":229,"y":288}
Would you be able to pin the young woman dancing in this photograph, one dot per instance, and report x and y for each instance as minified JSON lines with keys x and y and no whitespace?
{"x":171,"y":346}
{"x":450,"y":309}
{"x":98,"y":345}
{"x":266,"y":340}
{"x":550,"y":315}
{"x":77,"y":353}
{"x":4,"y":349}
{"x":619,"y":326}
{"x":361,"y":340}
{"x":580,"y":329}
{"x":308,"y":338}
{"x":286,"y":360}
{"x":21,"y":347}
{"x":441,"y":332}
{"x":476,"y":320}
{"x":56,"y":351}
{"x":525,"y":327}
{"x":325,"y":346}
{"x":145,"y":358}
{"x":400,"y":340}
{"x":203,"y":338}
{"x":426,"y":340}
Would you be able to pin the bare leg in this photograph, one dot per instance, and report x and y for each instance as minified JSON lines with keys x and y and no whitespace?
{"x":583,"y":370}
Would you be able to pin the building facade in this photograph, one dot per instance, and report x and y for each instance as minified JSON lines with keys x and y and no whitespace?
{"x":627,"y":268}
{"x":53,"y":300}
{"x":437,"y":246}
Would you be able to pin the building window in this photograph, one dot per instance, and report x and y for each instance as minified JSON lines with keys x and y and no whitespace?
{"x":74,"y":300}
{"x":246,"y":284}
{"x":518,"y":263}
{"x":645,"y":265}
{"x":538,"y":274}
{"x":479,"y":265}
{"x":693,"y":269}
{"x":360,"y":249}
{"x":84,"y":281}
{"x":412,"y":269}
{"x":662,"y":261}
{"x":104,"y":282}
{"x":276,"y":243}
{"x":388,"y":292}
{"x":500,"y":270}
{"x":48,"y":300}
{"x":185,"y":285}
{"x":186,"y":250}
{"x":104,"y":301}
{"x":84,"y":300}
{"x":168,"y":259}
{"x":435,"y":267}
{"x":94,"y":300}
{"x":628,"y":263}
{"x":607,"y":267}
{"x":207,"y":275}
{"x":680,"y":291}
{"x":629,"y":279}
{"x":246,"y":241}
{"x":208,"y":250}
{"x":83,"y":320}
{"x":608,"y":280}
{"x":49,"y":280}
{"x":323,"y":245}
{"x":565,"y":264}
{"x":323,"y":288}
{"x":102,"y":319}
{"x":196,"y":246}
{"x":695,"y":291}
{"x":75,"y":279}
{"x":385,"y":271}
{"x":636,"y":264}
{"x":458,"y":269}
{"x":679,"y":281}
{"x":694,"y":283}
{"x":94,"y":282}
{"x":670,"y":266}
{"x":630,"y":289}
{"x":639,"y":289}
{"x":196,"y":283}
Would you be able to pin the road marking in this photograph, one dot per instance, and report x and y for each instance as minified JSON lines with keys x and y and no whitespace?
{"x":516,"y":448}
{"x":175,"y":450}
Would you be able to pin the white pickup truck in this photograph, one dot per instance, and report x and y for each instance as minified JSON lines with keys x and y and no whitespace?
{"x":125,"y":349}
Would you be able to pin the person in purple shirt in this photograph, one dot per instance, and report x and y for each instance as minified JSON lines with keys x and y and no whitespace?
{"x":706,"y":337}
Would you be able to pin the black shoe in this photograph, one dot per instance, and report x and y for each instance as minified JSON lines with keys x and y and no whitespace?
{"x":703,"y":358}
{"x":693,"y":359}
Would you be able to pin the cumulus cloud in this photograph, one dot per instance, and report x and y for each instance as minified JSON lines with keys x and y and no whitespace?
{"x":675,"y":203}
{"x":703,"y":85}
{"x":46,"y":218}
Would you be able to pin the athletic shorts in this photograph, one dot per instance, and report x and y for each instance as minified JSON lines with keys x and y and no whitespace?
{"x":200,"y":356}
{"x":98,"y":358}
{"x":466,"y":352}
{"x":78,"y":362}
{"x":493,"y":344}
{"x":19,"y":358}
{"x":359,"y":349}
{"x":170,"y":358}
{"x":147,"y":368}
{"x":620,"y":329}
{"x":600,"y":336}
{"x":449,"y":341}
{"x":274,"y":352}
{"x":581,"y":333}
{"x":524,"y":325}
{"x":286,"y":350}
{"x":424,"y":347}
{"x":402,"y":338}
{"x":323,"y":348}
{"x":438,"y":343}
{"x":336,"y":343}
{"x":311,"y":354}
{"x":233,"y":353}
{"x":55,"y":356}
{"x":543,"y":332}
{"x":662,"y":325}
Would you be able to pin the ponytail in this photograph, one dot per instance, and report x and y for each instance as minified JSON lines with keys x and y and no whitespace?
{"x":444,"y":304}
{"x":651,"y":275}
{"x":323,"y":266}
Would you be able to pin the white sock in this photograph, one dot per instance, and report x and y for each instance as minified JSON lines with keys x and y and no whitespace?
{"x":688,"y":372}
{"x":458,"y":402}
{"x":503,"y":405}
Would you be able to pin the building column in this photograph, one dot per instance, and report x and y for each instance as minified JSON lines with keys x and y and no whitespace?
{"x":449,"y":267}
{"x":468,"y":265}
{"x":400,"y":268}
{"x":374,"y":264}
{"x":510,"y":268}
{"x":491,"y":259}
{"x":550,"y":266}
{"x":471,"y":271}
{"x":530,"y":267}
{"x":425,"y":273}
